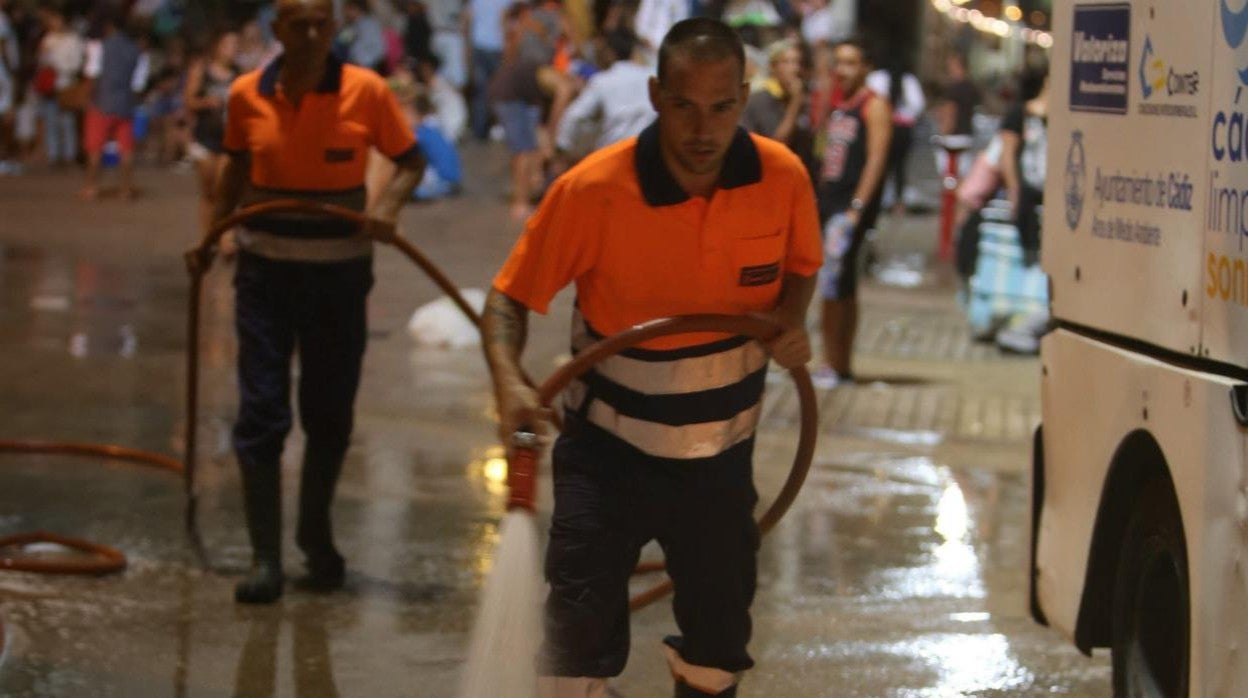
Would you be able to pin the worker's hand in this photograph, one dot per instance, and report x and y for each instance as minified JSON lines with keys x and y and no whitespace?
{"x":518,"y":407}
{"x":380,"y":229}
{"x":790,"y":348}
{"x":198,"y":259}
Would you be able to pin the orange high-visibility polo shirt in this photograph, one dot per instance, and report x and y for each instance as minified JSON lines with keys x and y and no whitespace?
{"x":317,"y":150}
{"x":639,"y":248}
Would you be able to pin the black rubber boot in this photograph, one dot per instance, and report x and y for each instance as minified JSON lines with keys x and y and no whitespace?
{"x":263,"y":505}
{"x":327,"y":571}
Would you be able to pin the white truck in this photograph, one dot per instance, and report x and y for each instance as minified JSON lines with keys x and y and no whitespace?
{"x":1140,"y":484}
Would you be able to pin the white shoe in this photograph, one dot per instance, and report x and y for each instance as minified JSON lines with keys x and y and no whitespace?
{"x":825,"y":378}
{"x":1022,"y":335}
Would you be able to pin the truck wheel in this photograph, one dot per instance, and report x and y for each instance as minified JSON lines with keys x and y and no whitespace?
{"x":1151,"y":601}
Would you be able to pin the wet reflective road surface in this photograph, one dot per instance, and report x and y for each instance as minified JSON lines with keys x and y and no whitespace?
{"x":900,"y":570}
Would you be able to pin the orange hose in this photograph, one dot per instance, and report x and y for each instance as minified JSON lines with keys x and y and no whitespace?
{"x":103,"y":559}
{"x":109,"y":559}
{"x":750,"y":326}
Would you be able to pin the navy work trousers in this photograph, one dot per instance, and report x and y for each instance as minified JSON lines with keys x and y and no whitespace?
{"x":610,"y":500}
{"x":319,"y":308}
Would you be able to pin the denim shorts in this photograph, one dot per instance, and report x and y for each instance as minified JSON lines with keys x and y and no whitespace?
{"x":520,"y":121}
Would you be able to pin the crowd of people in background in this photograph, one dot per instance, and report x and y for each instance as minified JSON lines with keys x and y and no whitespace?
{"x":101,"y":83}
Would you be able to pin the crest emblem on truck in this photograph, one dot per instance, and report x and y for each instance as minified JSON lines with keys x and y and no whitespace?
{"x":1234,"y":27}
{"x":1152,"y":70}
{"x":1076,"y":177}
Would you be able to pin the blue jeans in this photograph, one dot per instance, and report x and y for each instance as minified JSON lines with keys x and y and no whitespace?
{"x":60,"y":131}
{"x":485,"y":63}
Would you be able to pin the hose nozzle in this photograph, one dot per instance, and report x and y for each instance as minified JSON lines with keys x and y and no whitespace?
{"x":522,"y":471}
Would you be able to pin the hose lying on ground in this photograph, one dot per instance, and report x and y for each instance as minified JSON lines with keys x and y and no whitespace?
{"x":102,"y":559}
{"x":105,"y":559}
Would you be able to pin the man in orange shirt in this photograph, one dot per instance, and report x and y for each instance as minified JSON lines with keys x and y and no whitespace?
{"x":694,"y":215}
{"x":303,"y":127}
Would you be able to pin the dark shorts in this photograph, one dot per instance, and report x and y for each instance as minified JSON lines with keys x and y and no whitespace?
{"x":610,"y":500}
{"x":520,"y":121}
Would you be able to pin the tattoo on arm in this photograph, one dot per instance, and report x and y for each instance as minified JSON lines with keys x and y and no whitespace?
{"x":504,"y":328}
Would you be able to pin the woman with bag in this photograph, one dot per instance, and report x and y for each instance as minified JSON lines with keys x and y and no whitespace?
{"x":60,"y":58}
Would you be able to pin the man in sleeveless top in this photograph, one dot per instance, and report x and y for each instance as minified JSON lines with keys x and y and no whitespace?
{"x":694,"y":215}
{"x":852,"y":147}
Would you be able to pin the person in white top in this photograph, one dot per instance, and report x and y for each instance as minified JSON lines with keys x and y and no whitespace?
{"x":618,"y":94}
{"x":448,"y":103}
{"x":905,"y":93}
{"x":653,"y":19}
{"x":60,"y":59}
{"x":829,"y":21}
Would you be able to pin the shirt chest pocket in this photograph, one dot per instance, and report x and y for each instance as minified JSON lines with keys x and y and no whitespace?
{"x":346,"y":143}
{"x":757,"y":258}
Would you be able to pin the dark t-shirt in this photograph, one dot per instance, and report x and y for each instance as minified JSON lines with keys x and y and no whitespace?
{"x":763,"y":114}
{"x":1030,"y":130}
{"x":516,"y":81}
{"x":844,"y":156}
{"x":965,"y":96}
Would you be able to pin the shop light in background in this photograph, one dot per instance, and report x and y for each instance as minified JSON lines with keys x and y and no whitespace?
{"x":954,"y":10}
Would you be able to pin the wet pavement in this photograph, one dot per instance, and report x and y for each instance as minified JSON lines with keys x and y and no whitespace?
{"x":900,"y":570}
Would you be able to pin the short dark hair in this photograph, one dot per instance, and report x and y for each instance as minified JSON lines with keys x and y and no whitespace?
{"x":858,"y":43}
{"x":702,"y":39}
{"x":622,"y":42}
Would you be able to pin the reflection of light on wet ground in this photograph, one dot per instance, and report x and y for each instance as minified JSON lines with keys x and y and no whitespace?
{"x":955,"y":560}
{"x":952,"y":521}
{"x":491,"y":469}
{"x":496,"y":470}
{"x":968,"y":664}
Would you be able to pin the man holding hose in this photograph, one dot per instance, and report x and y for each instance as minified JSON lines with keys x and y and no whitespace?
{"x":302,"y":127}
{"x":693,"y":216}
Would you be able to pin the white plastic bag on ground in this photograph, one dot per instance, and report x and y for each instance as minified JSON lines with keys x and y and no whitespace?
{"x":442,"y":324}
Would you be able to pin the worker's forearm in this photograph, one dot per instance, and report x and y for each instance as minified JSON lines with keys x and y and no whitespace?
{"x":230,"y":187}
{"x":504,"y":329}
{"x":399,"y":190}
{"x":795,"y":297}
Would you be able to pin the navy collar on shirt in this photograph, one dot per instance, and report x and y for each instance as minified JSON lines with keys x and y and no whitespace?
{"x":330,"y":81}
{"x":741,"y":167}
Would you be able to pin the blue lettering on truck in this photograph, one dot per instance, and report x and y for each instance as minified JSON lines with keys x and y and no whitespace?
{"x":1100,"y":51}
